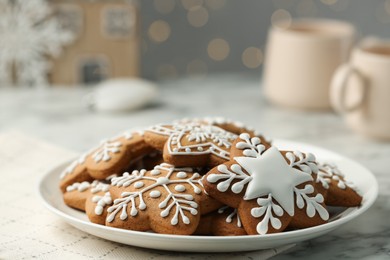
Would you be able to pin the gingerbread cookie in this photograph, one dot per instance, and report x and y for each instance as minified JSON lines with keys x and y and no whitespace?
{"x":75,"y":172}
{"x":267,"y":189}
{"x":83,"y":196}
{"x":223,"y":222}
{"x":193,"y":143}
{"x":112,"y":156}
{"x":340,"y":192}
{"x":76,"y":195}
{"x":166,"y":200}
{"x":116,"y":154}
{"x":97,"y":202}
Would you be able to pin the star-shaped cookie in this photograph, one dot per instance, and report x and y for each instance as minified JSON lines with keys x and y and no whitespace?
{"x":269,"y":188}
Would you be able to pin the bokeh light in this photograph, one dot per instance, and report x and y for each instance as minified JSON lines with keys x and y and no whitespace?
{"x":159,"y":31}
{"x":252,"y":57}
{"x":218,"y":49}
{"x":198,"y":16}
{"x":281,"y":18}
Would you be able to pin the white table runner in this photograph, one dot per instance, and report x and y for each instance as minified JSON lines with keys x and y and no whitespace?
{"x":28,"y":230}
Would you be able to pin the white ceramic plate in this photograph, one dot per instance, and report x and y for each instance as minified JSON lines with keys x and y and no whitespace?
{"x":363,"y":179}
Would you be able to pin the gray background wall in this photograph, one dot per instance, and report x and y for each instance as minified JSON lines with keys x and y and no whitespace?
{"x":176,"y":33}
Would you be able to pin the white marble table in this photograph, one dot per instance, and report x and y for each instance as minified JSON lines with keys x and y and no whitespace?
{"x":58,"y":116}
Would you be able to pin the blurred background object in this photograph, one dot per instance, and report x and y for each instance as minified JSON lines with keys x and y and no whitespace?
{"x":85,"y":41}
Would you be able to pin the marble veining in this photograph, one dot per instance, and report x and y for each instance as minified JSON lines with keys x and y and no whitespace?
{"x":59,"y":116}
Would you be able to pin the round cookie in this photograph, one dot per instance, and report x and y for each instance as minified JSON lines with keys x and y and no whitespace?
{"x":166,"y":200}
{"x":264,"y":187}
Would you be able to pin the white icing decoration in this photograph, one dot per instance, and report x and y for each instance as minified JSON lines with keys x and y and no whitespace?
{"x":81,"y":187}
{"x":267,"y":210}
{"x":313,"y":204}
{"x":211,"y":139}
{"x":181,"y":175}
{"x":252,"y":146}
{"x":327,"y":172}
{"x":305,"y":162}
{"x":180,"y":188}
{"x":230,"y":217}
{"x":139,"y":184}
{"x":73,"y":165}
{"x":181,"y":202}
{"x":155,"y":172}
{"x":155,"y":194}
{"x":98,"y":186}
{"x":101,"y":202}
{"x":104,"y":151}
{"x":267,"y":174}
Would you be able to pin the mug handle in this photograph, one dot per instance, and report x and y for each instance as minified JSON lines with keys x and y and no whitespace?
{"x":338,"y":88}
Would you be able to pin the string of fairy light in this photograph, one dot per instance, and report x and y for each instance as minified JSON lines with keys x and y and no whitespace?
{"x":198,"y":13}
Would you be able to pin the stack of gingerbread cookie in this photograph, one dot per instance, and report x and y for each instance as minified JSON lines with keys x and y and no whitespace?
{"x":206,"y":176}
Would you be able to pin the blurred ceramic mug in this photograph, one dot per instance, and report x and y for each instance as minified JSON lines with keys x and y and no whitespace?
{"x":360,"y":89}
{"x":301,"y":58}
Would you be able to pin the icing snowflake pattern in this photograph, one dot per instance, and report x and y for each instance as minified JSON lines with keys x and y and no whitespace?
{"x":103,"y":153}
{"x":68,"y":170}
{"x":208,"y":139}
{"x":305,"y":162}
{"x":101,"y":202}
{"x":251,"y":146}
{"x":180,"y":201}
{"x":267,"y":210}
{"x":328,"y":172}
{"x":272,"y":180}
{"x":313,"y":204}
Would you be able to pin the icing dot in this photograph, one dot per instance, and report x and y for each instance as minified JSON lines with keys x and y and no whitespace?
{"x":175,"y":149}
{"x":162,"y":180}
{"x":181,"y":175}
{"x":155,"y":194}
{"x":188,"y":150}
{"x":180,"y":188}
{"x":155,"y":172}
{"x":139,"y":184}
{"x":200,"y":149}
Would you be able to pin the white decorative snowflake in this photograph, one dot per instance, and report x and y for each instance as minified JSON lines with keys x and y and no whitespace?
{"x":101,"y":202}
{"x":305,"y":162}
{"x":313,"y":204}
{"x":251,"y":146}
{"x":208,"y":140}
{"x":161,"y":176}
{"x":267,"y":210}
{"x":266,"y":173}
{"x":28,"y":35}
{"x":328,"y":172}
{"x":104,"y":152}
